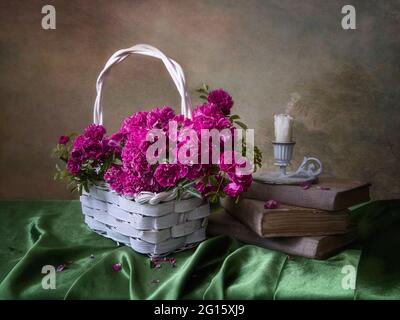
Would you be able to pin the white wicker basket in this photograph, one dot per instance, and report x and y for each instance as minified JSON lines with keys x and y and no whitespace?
{"x":153,"y":224}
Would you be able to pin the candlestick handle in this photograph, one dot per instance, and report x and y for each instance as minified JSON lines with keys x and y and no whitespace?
{"x":308,"y":170}
{"x":310,"y":167}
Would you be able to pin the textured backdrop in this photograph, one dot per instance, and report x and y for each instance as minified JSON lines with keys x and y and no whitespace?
{"x":262,"y":51}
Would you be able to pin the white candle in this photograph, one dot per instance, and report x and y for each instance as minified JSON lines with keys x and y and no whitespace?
{"x":283,"y":128}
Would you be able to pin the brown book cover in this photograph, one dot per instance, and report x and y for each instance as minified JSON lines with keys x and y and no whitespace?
{"x":321,"y":247}
{"x":328,"y":194}
{"x":287,"y":221}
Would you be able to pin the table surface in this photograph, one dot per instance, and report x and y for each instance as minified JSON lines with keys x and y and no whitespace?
{"x":36,"y":234}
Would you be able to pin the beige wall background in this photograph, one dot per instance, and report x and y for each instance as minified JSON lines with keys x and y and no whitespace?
{"x":261,"y":51}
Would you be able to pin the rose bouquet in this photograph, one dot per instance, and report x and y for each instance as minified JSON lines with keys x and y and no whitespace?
{"x":187,"y":157}
{"x":149,"y":184}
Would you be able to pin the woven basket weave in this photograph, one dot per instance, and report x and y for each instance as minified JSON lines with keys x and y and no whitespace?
{"x":153,"y":224}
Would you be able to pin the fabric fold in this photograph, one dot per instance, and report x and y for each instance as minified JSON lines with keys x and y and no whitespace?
{"x":34,"y":234}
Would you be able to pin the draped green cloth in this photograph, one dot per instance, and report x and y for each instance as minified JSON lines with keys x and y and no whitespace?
{"x":38,"y":233}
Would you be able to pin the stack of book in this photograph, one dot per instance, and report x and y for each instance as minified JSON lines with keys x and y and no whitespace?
{"x":311,"y":221}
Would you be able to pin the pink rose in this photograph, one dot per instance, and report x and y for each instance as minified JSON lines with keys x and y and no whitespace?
{"x":222,"y":99}
{"x":168,"y":175}
{"x":63,"y":140}
{"x":233,"y":190}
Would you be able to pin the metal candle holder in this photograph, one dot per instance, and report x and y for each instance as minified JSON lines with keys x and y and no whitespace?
{"x":308,"y":170}
{"x":283,"y":153}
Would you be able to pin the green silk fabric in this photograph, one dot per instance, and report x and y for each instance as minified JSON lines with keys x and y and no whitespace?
{"x":38,"y":233}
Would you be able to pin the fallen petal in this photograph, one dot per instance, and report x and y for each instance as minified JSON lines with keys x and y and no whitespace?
{"x":61,"y":268}
{"x":271,"y":204}
{"x":305,"y":185}
{"x":117,"y":266}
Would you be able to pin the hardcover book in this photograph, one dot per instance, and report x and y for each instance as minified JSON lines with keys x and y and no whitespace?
{"x":328,"y":194}
{"x":317,"y":247}
{"x":286,"y":221}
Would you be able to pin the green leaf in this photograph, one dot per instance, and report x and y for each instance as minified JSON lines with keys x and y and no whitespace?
{"x":214,"y":181}
{"x":187,"y":183}
{"x":117,"y":162}
{"x":201,"y":90}
{"x":194,"y":192}
{"x":214,"y":198}
{"x":241,"y":124}
{"x":178,"y":194}
{"x":234,"y":117}
{"x":85,"y":186}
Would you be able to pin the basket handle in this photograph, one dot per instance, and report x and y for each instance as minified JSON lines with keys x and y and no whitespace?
{"x":172,"y":66}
